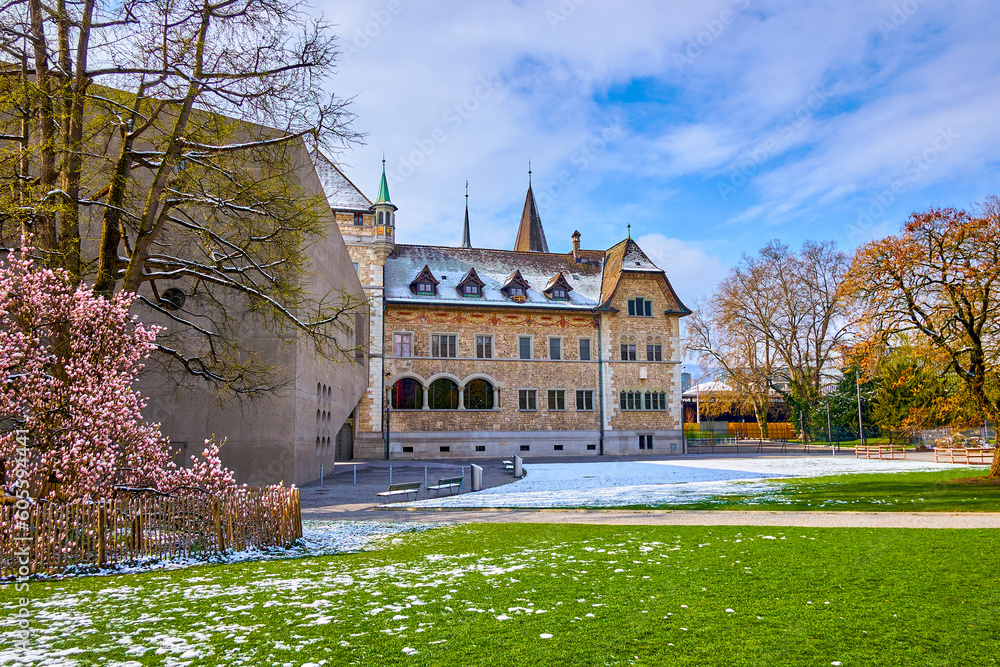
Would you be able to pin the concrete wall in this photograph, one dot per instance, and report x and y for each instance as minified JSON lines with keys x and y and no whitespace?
{"x":277,"y":438}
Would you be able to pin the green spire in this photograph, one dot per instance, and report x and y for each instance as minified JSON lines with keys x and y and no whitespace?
{"x":383,"y":188}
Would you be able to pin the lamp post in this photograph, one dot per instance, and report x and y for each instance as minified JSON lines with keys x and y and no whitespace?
{"x":829,"y":430}
{"x":861,"y":424}
{"x":388,"y":419}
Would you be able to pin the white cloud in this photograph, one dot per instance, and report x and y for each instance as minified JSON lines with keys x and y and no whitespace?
{"x":692,"y":271}
{"x":735,"y":85}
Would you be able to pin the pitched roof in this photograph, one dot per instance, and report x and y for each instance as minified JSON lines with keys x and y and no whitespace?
{"x":628,"y":257}
{"x":530,"y":235}
{"x":493,"y":267}
{"x":341,"y":193}
{"x":383,"y":189}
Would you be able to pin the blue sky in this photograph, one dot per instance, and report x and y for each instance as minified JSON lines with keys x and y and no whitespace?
{"x":710,"y":127}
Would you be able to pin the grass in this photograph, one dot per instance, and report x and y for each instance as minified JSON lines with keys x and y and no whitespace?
{"x":935,"y":491}
{"x":491,"y":595}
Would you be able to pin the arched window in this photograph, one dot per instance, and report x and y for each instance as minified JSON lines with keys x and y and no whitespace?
{"x":443,"y":395}
{"x":407,"y":394}
{"x":478,"y":395}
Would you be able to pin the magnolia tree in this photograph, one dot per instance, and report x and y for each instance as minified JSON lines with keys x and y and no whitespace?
{"x":68,"y":358}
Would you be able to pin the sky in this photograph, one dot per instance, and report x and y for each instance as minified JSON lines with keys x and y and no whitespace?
{"x":710,"y":127}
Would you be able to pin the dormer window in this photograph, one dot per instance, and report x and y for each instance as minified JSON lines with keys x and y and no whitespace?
{"x":425,"y":284}
{"x":515,"y":287}
{"x":558,"y":288}
{"x":471,"y":285}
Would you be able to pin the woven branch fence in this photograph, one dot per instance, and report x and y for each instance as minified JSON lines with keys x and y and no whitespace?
{"x":123,"y":530}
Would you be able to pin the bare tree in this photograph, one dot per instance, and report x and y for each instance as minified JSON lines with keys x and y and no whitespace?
{"x":158,"y":147}
{"x":775,"y":324}
{"x":721,"y":335}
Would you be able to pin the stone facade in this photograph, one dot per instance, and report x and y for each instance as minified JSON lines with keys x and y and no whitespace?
{"x":427,"y":342}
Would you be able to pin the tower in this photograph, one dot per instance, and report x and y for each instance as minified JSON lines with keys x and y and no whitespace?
{"x":385,"y":220}
{"x":530,"y":235}
{"x":466,"y":240}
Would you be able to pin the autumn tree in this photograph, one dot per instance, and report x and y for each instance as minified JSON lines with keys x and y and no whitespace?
{"x":910,"y":394}
{"x":776,"y":323}
{"x":938,"y":278}
{"x":157,"y":148}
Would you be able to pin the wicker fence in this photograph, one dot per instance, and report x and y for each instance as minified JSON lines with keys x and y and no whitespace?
{"x":123,"y":530}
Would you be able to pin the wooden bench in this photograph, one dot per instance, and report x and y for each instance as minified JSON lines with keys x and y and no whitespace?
{"x":448,"y":483}
{"x":880,"y":451}
{"x":964,"y":455}
{"x":400,"y":490}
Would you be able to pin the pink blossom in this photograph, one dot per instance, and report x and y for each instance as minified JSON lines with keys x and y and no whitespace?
{"x":68,"y":359}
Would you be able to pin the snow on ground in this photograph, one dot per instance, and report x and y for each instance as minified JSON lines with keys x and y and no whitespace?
{"x":319,"y":538}
{"x":616,"y":483}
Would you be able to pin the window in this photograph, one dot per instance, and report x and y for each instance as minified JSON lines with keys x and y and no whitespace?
{"x":443,"y":395}
{"x":557,"y":448}
{"x":645,"y":442}
{"x":480,"y":448}
{"x":478,"y":395}
{"x":555,"y":348}
{"x":559,"y":293}
{"x":557,"y":399}
{"x":407,"y":394}
{"x":585,"y":399}
{"x":524,"y":347}
{"x":591,"y":447}
{"x":628,"y":352}
{"x":484,"y":347}
{"x":402,"y":344}
{"x":654,"y":353}
{"x":470,"y":289}
{"x":640,"y":307}
{"x":444,"y":448}
{"x":444,"y":345}
{"x":526,"y":399}
{"x":584,"y":349}
{"x":525,"y":448}
{"x":515,"y":291}
{"x":359,"y":219}
{"x":650,"y":400}
{"x":381,"y":219}
{"x":425,"y":288}
{"x":407,"y":450}
{"x":356,"y":269}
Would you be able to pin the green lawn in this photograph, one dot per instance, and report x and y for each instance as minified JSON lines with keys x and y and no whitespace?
{"x":562,"y":595}
{"x":868,"y":492}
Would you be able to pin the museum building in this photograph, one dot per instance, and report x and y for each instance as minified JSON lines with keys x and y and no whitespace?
{"x":479,"y":352}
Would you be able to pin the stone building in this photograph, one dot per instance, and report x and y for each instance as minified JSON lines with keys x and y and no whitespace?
{"x":484,"y":353}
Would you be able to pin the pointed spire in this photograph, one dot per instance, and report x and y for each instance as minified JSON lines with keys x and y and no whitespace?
{"x":530,"y":235}
{"x":466,"y":240}
{"x":383,"y":188}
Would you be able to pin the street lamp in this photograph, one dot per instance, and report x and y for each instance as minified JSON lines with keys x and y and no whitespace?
{"x":388,"y":418}
{"x":861,"y":424}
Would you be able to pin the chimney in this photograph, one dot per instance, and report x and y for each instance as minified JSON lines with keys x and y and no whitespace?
{"x":576,"y":246}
